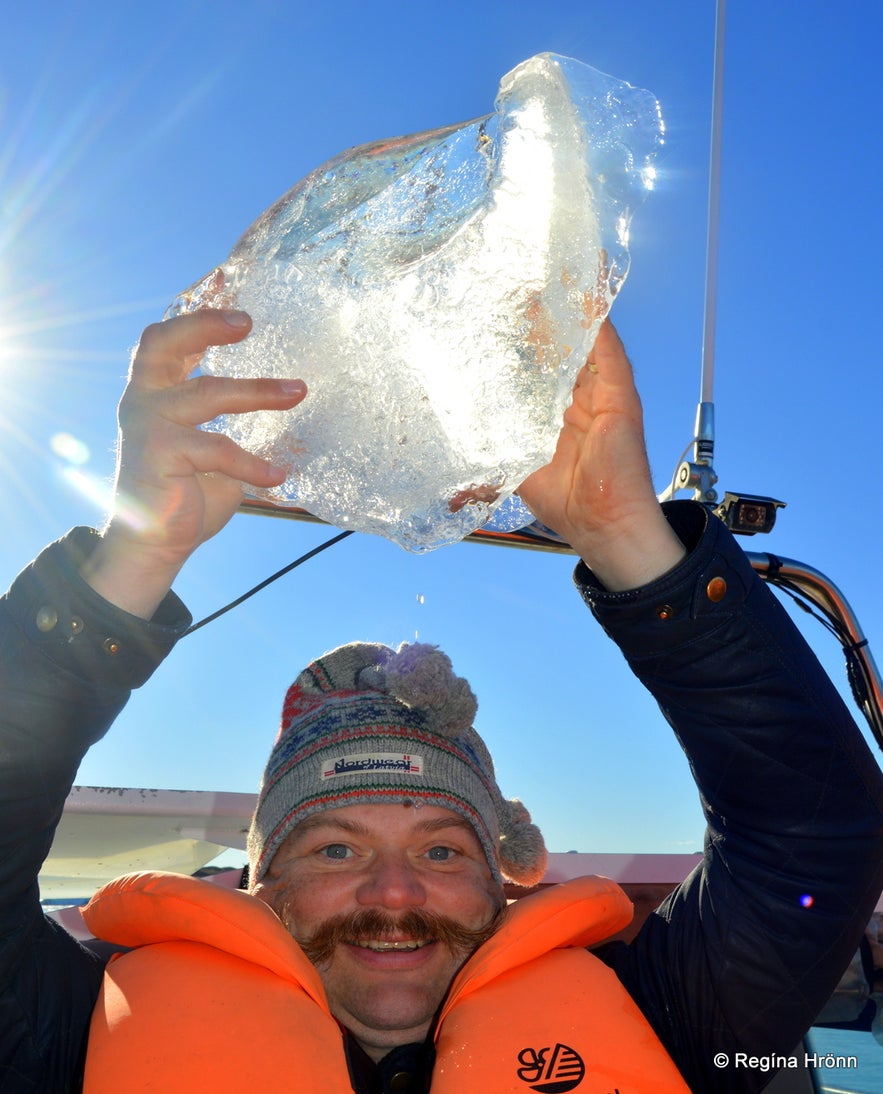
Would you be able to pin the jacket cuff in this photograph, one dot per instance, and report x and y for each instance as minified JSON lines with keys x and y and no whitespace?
{"x":709,"y":586}
{"x":80,"y":631}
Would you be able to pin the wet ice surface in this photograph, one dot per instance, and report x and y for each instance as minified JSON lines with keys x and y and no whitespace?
{"x":438,"y":293}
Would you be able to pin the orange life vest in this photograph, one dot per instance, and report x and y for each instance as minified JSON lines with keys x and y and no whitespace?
{"x":218,"y":997}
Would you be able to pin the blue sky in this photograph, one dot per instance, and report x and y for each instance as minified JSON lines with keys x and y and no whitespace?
{"x":138,"y":141}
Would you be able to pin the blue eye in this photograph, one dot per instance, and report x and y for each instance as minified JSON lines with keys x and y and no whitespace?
{"x":336,"y":851}
{"x":441,"y":854}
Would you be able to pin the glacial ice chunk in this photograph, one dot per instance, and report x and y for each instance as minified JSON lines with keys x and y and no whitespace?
{"x":438,"y":293}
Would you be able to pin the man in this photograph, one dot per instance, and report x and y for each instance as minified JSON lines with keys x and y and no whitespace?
{"x":390,"y":883}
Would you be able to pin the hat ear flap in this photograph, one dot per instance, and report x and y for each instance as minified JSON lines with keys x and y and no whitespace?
{"x":523,"y":854}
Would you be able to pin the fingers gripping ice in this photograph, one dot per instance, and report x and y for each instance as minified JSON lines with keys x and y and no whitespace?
{"x":438,"y":293}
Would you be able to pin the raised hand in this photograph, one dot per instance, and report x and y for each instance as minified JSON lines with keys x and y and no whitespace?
{"x":177,"y":485}
{"x":597,"y":491}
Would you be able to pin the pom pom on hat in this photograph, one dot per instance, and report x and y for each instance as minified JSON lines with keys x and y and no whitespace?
{"x":523,"y":853}
{"x":422,"y":676}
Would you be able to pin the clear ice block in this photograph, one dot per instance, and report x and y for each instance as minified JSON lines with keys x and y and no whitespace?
{"x":438,"y":293}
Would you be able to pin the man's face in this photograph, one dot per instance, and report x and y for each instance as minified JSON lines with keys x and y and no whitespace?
{"x":385,"y":978}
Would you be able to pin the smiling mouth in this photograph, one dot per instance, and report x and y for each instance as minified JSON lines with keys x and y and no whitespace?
{"x":379,"y":945}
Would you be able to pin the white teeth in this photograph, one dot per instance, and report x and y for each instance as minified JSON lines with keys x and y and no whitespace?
{"x":382,"y":945}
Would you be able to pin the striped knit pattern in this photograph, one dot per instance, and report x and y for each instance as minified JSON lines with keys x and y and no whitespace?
{"x":320,"y":730}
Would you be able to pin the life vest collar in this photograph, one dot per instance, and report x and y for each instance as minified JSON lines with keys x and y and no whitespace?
{"x":146,"y":908}
{"x":157,"y":906}
{"x":581,"y":912}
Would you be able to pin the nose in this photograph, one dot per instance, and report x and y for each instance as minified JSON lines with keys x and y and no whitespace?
{"x":391,"y":882}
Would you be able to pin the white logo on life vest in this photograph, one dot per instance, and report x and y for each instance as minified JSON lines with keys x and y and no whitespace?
{"x":551,"y":1070}
{"x":399,"y":763}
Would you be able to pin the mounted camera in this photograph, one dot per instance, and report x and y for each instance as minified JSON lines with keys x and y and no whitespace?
{"x":748,"y":514}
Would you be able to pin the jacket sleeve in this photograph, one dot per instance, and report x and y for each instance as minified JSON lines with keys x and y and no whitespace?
{"x":68,"y":661}
{"x":743,"y":955}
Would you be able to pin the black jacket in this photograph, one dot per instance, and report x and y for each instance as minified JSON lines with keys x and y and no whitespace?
{"x":731,"y":962}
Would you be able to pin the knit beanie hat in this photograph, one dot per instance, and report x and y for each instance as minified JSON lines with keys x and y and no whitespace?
{"x":366,"y":723}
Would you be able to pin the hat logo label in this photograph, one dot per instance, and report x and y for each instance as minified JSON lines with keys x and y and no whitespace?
{"x":400,"y":762}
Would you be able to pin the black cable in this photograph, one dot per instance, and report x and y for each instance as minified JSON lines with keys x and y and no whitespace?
{"x":856,"y":672}
{"x":267,"y":581}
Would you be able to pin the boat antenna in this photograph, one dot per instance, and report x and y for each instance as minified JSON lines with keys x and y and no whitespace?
{"x":698,"y":474}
